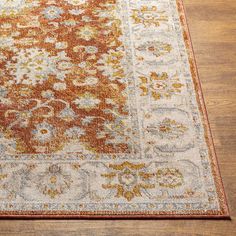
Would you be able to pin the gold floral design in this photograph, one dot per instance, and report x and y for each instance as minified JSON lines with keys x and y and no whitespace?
{"x":171,"y":128}
{"x":169,"y":177}
{"x":128,"y":180}
{"x":149,"y":16}
{"x":87,"y":33}
{"x":160,"y":85}
{"x":156,"y":48}
{"x":168,"y":128}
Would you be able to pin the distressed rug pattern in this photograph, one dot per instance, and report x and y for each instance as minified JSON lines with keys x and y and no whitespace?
{"x":101,"y":112}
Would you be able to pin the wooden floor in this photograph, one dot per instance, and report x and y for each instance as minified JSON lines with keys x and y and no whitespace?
{"x":213,"y":28}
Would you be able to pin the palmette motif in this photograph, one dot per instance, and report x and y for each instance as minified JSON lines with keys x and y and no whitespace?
{"x":99,"y":113}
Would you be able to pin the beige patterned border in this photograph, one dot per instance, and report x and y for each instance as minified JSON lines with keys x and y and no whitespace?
{"x":224,"y":210}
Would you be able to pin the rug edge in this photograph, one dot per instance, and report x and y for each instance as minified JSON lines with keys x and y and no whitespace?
{"x":203,"y":110}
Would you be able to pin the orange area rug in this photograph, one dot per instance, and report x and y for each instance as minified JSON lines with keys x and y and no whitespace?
{"x":102,"y":114}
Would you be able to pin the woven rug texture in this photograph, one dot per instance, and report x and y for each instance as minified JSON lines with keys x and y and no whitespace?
{"x":102,"y":114}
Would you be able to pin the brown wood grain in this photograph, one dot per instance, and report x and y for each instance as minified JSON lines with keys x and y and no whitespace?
{"x":213,"y":29}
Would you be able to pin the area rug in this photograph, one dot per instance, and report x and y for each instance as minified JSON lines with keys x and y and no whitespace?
{"x":101,"y":112}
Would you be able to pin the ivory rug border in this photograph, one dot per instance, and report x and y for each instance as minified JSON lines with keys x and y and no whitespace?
{"x":223,"y":213}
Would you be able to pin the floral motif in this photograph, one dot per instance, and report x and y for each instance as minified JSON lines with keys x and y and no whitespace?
{"x":110,"y":65}
{"x":44,"y":132}
{"x":87,"y":101}
{"x":169,"y":128}
{"x":155,"y":48}
{"x":169,"y":177}
{"x":53,"y":182}
{"x":149,"y":16}
{"x":128,"y":179}
{"x":52,"y":12}
{"x":87,"y":33}
{"x":34,"y":66}
{"x":74,"y":132}
{"x":161,"y":85}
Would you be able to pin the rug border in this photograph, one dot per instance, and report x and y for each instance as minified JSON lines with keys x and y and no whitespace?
{"x":209,"y":214}
{"x":202,"y":108}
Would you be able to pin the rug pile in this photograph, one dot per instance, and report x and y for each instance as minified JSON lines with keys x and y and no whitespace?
{"x":101,"y":112}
